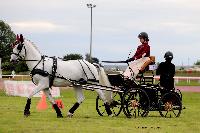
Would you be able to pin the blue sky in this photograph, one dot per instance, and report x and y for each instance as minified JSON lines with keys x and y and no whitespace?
{"x":60,"y":27}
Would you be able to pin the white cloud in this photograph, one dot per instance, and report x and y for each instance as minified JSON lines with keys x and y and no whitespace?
{"x":41,"y":27}
{"x":34,"y":25}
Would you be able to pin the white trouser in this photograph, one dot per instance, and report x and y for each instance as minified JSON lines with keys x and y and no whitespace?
{"x":134,"y":67}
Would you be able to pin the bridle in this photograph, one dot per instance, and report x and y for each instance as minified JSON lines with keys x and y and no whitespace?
{"x":20,"y":47}
{"x":19,"y":57}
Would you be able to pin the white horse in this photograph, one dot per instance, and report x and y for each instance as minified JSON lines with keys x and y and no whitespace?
{"x":48,"y":71}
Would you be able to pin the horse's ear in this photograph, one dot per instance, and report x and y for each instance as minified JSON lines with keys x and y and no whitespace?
{"x":17,"y":38}
{"x":21,"y":39}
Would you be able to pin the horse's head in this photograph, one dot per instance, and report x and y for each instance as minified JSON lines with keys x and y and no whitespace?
{"x":19,"y":51}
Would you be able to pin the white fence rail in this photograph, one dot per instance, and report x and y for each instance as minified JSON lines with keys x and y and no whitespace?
{"x":179,"y":78}
{"x":176,"y":78}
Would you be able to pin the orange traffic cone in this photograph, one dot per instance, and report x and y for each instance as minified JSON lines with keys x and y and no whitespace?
{"x":42,"y":104}
{"x":59,"y":103}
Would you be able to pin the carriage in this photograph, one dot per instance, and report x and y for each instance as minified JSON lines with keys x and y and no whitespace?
{"x":115,"y":92}
{"x":139,"y":97}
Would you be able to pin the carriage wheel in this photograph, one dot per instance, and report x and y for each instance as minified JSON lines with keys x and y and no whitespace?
{"x":170,"y":105}
{"x":136,"y":103}
{"x":115,"y":105}
{"x":179,"y":94}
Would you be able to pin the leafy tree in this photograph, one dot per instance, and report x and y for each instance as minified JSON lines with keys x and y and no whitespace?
{"x":72,"y":57}
{"x":197,"y":63}
{"x":7,"y":37}
{"x":94,"y":59}
{"x":87,"y":57}
{"x":21,"y":67}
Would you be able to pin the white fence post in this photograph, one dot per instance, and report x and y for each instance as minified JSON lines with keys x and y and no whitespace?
{"x":176,"y":80}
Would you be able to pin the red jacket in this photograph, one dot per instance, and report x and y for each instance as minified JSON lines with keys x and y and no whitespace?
{"x":141,"y":49}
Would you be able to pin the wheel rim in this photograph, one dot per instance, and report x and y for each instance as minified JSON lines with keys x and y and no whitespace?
{"x":115,"y":105}
{"x":100,"y":107}
{"x":170,"y":105}
{"x":136,"y":103}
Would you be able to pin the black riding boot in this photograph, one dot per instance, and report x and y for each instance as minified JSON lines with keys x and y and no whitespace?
{"x":58,"y":112}
{"x":107,"y":107}
{"x":27,"y":107}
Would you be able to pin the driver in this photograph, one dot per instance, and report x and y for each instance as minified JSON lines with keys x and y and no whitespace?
{"x":140,"y":57}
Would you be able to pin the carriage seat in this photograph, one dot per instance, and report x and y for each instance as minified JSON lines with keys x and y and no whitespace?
{"x":115,"y":79}
{"x":147,"y":63}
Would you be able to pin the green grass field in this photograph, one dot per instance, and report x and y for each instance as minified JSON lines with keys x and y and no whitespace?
{"x":86,"y":119}
{"x":191,"y":83}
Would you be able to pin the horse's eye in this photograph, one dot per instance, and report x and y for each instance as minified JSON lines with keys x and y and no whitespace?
{"x":19,"y":47}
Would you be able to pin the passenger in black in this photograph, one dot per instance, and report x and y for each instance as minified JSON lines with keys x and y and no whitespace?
{"x":166,"y":70}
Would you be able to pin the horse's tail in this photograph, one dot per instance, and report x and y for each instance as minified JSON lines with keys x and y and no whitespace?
{"x":103,"y":80}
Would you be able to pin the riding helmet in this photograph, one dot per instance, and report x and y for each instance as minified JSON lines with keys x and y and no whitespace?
{"x":168,"y":55}
{"x":144,"y":35}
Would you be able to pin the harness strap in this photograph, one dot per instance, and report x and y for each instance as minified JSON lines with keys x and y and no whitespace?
{"x":83,"y":69}
{"x":42,"y":58}
{"x":54,"y":68}
{"x":44,"y":73}
{"x":94,"y":79}
{"x":89,"y":69}
{"x":40,"y":72}
{"x":43,"y":62}
{"x":53,"y":74}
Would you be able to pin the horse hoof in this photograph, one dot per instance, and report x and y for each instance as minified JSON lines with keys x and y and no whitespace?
{"x":69,"y":115}
{"x":27,"y":113}
{"x":59,"y":116}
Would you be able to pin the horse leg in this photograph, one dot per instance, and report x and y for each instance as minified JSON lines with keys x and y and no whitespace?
{"x":52,"y":101}
{"x":80,"y":98}
{"x":40,"y":86}
{"x":27,"y":107}
{"x":105,"y":96}
{"x":106,"y":104}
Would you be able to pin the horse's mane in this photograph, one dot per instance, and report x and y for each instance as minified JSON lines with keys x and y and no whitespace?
{"x":33,"y":45}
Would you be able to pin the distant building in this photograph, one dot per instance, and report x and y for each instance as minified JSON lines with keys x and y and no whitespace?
{"x":194,"y":68}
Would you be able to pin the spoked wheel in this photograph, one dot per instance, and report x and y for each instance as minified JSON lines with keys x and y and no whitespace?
{"x":170,"y":105}
{"x":179,"y":94}
{"x":115,"y":105}
{"x":136,"y":103}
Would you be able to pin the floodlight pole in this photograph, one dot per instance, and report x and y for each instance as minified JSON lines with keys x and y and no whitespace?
{"x":91,"y":6}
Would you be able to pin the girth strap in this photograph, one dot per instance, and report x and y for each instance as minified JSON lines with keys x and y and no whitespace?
{"x":45,"y":73}
{"x":54,"y":68}
{"x":40,"y":72}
